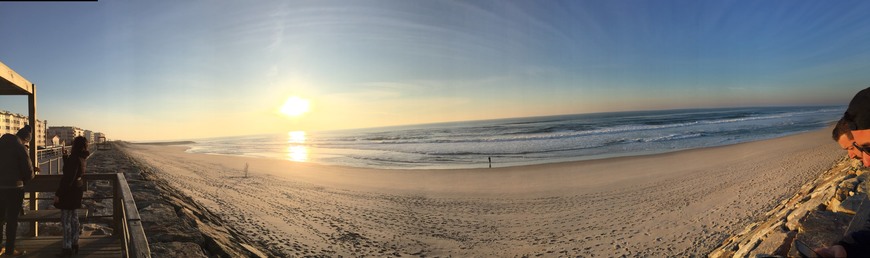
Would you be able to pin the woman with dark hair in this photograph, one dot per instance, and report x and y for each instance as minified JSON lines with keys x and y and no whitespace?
{"x":68,"y":197}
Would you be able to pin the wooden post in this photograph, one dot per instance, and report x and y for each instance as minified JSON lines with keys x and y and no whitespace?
{"x":117,"y":209}
{"x":31,"y":102}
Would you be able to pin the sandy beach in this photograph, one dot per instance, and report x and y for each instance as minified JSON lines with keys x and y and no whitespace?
{"x":676,"y":204}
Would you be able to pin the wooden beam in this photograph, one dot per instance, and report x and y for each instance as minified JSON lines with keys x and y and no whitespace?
{"x":31,"y":102}
{"x":12,"y":83}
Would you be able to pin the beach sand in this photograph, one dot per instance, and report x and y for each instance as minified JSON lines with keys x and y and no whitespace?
{"x":675,"y":204}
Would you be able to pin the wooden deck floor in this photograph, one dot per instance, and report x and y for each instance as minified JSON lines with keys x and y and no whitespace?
{"x":93,"y":246}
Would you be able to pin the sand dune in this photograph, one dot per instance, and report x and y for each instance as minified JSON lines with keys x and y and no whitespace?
{"x":681,"y":203}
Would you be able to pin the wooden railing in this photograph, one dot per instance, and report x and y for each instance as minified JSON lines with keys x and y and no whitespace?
{"x":125,"y":215}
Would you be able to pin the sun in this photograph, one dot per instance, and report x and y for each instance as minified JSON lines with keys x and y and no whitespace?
{"x":295,"y":106}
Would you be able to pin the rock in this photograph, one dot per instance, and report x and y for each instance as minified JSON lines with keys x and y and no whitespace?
{"x":863,"y":183}
{"x":50,"y":228}
{"x":833,"y":205}
{"x":176,"y":249}
{"x":820,"y":228}
{"x":96,"y":230}
{"x":845,"y":187}
{"x":163,"y":225}
{"x":774,"y":240}
{"x":850,"y":205}
{"x":856,"y":165}
{"x":143,"y":199}
{"x":157,"y":212}
{"x":793,"y":219}
{"x":142,"y":186}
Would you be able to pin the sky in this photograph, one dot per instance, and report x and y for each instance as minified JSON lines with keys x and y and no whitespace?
{"x":166,"y":70}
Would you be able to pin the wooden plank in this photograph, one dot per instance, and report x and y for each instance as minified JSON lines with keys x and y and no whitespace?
{"x":43,"y":183}
{"x":12,"y":83}
{"x":127,"y":198}
{"x":48,"y":215}
{"x":89,"y":246}
{"x":49,"y":183}
{"x":138,"y":243}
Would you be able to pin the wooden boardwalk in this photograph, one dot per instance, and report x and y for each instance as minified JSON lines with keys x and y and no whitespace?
{"x":128,"y":241}
{"x":93,"y":246}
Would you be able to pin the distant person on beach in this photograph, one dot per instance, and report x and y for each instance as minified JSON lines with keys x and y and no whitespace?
{"x":852,"y":133}
{"x":69,"y":193}
{"x":16,"y":170}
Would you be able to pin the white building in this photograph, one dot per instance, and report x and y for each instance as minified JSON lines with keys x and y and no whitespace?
{"x":98,"y":136}
{"x":55,"y":141}
{"x":11,"y":122}
{"x":66,"y":133}
{"x":89,"y":135}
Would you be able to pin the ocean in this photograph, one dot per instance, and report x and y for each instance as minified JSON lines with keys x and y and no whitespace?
{"x":531,"y":140}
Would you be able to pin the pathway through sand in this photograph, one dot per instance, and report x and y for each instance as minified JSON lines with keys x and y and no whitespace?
{"x":675,"y":204}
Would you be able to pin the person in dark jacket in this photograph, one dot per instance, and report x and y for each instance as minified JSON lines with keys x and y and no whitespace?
{"x":16,"y":170}
{"x":68,"y":196}
{"x":852,"y":133}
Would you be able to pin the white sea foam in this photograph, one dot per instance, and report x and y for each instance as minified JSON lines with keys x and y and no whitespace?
{"x":531,"y":140}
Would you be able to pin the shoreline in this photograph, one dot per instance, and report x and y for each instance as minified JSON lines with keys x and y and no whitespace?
{"x":483,"y":164}
{"x":677,"y":203}
{"x":593,"y":168}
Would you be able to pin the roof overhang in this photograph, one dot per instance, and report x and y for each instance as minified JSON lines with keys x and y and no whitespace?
{"x":12,"y":83}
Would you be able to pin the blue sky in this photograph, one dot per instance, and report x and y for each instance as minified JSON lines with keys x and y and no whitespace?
{"x":145,"y":70}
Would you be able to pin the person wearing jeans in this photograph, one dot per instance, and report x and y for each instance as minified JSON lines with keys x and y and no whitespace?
{"x":16,"y":170}
{"x":68,"y":196}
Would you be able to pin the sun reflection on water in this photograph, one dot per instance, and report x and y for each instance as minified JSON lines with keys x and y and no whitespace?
{"x":296,"y":137}
{"x":296,"y":151}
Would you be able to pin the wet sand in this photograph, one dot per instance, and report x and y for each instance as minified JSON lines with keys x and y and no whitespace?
{"x":674,"y":204}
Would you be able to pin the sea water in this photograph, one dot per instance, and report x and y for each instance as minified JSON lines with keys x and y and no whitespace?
{"x":531,"y":140}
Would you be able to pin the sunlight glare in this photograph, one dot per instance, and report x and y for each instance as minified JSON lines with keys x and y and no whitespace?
{"x":296,"y":137}
{"x":295,"y":106}
{"x":297,"y":151}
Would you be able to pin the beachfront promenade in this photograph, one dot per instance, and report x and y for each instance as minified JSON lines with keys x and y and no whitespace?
{"x":127,"y":238}
{"x":110,"y":217}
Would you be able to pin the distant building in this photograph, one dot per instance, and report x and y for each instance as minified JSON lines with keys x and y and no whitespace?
{"x":89,"y":135}
{"x":55,"y":141}
{"x":66,"y":133}
{"x":98,"y":136}
{"x":11,"y":122}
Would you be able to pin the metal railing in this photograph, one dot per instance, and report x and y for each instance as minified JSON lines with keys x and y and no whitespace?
{"x":51,"y":159}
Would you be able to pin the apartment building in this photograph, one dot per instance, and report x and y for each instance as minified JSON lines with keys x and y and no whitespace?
{"x":66,"y":134}
{"x":89,"y":135}
{"x":11,"y":122}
